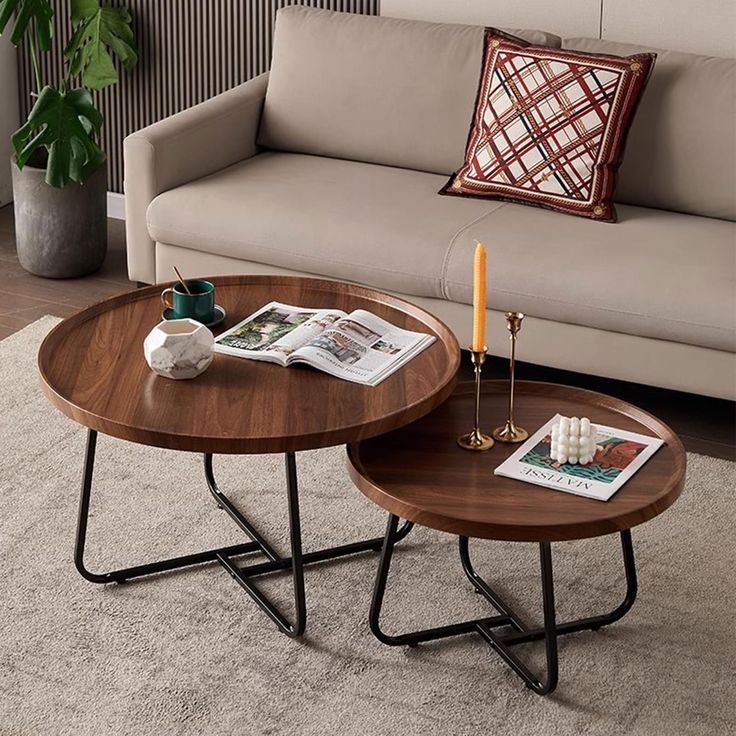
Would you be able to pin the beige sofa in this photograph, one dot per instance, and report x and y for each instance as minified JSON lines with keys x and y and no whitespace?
{"x":332,"y":165}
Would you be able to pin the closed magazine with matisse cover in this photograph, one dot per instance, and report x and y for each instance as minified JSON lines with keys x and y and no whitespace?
{"x":618,"y":456}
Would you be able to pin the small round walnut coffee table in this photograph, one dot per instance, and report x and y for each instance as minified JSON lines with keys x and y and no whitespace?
{"x":92,"y":368}
{"x":419,"y":473}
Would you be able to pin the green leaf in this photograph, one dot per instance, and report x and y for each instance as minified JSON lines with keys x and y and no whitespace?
{"x":38,"y":11}
{"x":66,"y":124}
{"x":82,"y":9}
{"x":99,"y":32}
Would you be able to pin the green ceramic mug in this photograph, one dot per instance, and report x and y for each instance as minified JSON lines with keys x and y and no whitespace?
{"x":199,"y":305}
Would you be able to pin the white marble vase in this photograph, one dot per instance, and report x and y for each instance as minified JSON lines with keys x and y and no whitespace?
{"x":179,"y":348}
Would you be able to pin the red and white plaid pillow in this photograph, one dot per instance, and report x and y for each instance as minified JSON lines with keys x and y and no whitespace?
{"x":550,"y":126}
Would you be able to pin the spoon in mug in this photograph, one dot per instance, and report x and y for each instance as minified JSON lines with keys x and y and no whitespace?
{"x":181,"y":280}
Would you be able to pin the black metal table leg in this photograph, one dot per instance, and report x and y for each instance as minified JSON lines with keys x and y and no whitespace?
{"x":226,"y":556}
{"x":296,"y":564}
{"x":485,"y":627}
{"x":591,"y":622}
{"x":416,"y":637}
{"x":121,"y":575}
{"x":502,"y":648}
{"x":227,"y":505}
{"x":482,"y":587}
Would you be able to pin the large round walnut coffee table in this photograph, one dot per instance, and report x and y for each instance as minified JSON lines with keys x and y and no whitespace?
{"x":420,"y":474}
{"x":92,"y":368}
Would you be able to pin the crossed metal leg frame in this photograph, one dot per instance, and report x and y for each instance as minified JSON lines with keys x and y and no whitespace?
{"x":226,"y":555}
{"x":519,"y":632}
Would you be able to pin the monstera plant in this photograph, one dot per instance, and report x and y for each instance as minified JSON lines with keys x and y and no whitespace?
{"x":61,"y":229}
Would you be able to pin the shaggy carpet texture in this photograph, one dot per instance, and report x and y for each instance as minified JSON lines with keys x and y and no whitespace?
{"x":189,"y":652}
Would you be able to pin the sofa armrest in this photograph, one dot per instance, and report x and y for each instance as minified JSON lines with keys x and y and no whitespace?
{"x":187,"y":146}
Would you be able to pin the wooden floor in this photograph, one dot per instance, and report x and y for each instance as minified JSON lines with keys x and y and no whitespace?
{"x":705,"y":425}
{"x":26,"y":298}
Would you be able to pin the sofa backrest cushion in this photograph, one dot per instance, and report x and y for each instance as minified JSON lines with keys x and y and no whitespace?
{"x":681,"y":150}
{"x":375,"y":89}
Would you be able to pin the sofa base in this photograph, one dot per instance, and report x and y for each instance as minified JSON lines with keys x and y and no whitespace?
{"x":625,"y":357}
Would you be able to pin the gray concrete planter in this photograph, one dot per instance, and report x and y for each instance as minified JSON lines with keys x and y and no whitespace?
{"x":60,"y":233}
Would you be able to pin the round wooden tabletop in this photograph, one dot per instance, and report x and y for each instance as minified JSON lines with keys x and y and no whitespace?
{"x":93,"y":369}
{"x":419,"y":472}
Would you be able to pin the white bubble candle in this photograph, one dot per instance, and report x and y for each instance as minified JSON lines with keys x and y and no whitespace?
{"x":573,"y":441}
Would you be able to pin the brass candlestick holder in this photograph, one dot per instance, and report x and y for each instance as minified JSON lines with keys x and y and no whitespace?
{"x":476,"y":440}
{"x":510,"y":432}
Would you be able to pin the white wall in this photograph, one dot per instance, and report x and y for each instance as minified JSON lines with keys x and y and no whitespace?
{"x":696,"y":26}
{"x":566,"y":18}
{"x":8,"y":114}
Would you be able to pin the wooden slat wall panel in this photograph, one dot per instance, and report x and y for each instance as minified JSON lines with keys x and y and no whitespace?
{"x":190,"y":50}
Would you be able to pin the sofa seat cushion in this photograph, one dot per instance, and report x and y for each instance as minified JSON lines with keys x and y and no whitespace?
{"x":382,"y":226}
{"x":656,"y":274}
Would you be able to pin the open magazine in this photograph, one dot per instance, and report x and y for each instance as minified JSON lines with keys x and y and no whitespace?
{"x":358,"y":347}
{"x":618,"y":455}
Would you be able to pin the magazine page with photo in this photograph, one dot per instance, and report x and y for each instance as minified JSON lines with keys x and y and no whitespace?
{"x":362,"y":348}
{"x":618,"y":455}
{"x":359,"y":347}
{"x":275,"y":331}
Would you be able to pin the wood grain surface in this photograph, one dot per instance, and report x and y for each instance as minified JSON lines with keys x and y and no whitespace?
{"x":92,"y":368}
{"x":419,"y":473}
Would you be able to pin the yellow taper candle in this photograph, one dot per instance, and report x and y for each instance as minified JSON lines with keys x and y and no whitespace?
{"x":479,"y":298}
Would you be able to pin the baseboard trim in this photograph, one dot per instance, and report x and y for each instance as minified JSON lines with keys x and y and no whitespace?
{"x":116,"y":205}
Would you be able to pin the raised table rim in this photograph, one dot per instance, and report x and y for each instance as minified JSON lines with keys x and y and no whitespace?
{"x":537,"y":532}
{"x":238,"y":445}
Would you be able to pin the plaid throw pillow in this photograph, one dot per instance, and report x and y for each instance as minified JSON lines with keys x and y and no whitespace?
{"x":550,"y":126}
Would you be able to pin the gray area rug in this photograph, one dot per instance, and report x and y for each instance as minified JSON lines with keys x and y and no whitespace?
{"x":189,"y":653}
